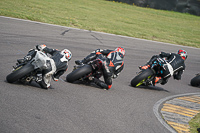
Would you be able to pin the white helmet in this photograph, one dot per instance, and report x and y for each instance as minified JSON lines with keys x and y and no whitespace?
{"x":67,"y":53}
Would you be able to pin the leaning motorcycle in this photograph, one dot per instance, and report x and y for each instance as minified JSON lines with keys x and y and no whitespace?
{"x":196,"y":80}
{"x":85,"y":71}
{"x":27,"y":71}
{"x":147,"y":76}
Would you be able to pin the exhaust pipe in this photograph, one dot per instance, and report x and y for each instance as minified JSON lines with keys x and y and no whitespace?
{"x":28,"y":79}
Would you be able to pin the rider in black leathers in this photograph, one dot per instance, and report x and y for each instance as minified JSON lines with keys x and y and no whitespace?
{"x":112,"y":61}
{"x":176,"y":61}
{"x":61,"y":59}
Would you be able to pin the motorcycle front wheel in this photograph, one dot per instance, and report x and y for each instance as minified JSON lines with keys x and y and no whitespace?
{"x":195,"y":81}
{"x":141,"y":77}
{"x":79,"y":73}
{"x":19,"y":73}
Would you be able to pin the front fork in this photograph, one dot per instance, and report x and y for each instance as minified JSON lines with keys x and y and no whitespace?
{"x":151,"y":79}
{"x":31,"y":77}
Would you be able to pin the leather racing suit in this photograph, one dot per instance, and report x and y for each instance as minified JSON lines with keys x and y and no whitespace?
{"x":174,"y":67}
{"x":112,"y":62}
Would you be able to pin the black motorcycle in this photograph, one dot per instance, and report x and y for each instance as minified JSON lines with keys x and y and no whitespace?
{"x":196,"y":80}
{"x":85,"y":71}
{"x":147,"y":76}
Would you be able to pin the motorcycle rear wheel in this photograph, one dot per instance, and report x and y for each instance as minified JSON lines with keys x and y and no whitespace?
{"x":19,"y":73}
{"x":195,"y":81}
{"x":135,"y":82}
{"x":79,"y":73}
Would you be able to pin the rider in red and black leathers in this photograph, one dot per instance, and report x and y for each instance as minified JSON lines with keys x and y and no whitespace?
{"x":176,"y":61}
{"x":112,"y":61}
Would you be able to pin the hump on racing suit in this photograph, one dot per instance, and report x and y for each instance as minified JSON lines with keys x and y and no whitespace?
{"x":175,"y":64}
{"x":116,"y":62}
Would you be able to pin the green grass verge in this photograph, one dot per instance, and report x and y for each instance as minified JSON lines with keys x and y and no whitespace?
{"x":194,"y":124}
{"x":109,"y":17}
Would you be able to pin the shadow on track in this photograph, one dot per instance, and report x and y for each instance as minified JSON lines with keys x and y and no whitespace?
{"x":85,"y":83}
{"x":32,"y":84}
{"x":151,"y":88}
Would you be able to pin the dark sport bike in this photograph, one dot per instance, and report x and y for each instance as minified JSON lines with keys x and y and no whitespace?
{"x":196,"y":80}
{"x":147,"y":76}
{"x":85,"y":71}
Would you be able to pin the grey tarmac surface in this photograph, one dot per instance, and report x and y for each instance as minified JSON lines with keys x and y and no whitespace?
{"x":78,"y":108}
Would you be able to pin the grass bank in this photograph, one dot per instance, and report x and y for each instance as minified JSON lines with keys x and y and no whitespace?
{"x":194,"y":124}
{"x":109,"y":17}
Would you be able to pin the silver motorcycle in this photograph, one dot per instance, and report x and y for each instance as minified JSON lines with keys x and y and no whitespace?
{"x":27,"y":71}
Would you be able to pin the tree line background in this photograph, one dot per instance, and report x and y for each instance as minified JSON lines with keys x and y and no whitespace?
{"x":184,"y":6}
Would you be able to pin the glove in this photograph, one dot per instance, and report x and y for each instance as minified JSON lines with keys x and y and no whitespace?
{"x":98,"y":50}
{"x":55,"y":79}
{"x":40,"y":47}
{"x":27,"y":58}
{"x":79,"y":62}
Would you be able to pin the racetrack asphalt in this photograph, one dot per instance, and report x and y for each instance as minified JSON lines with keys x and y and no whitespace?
{"x":78,"y":108}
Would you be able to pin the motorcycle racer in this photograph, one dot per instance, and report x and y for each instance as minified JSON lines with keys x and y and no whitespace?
{"x":60,"y":63}
{"x":175,"y":65}
{"x":112,"y":61}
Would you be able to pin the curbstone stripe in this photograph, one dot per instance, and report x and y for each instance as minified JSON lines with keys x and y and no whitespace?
{"x":179,"y":111}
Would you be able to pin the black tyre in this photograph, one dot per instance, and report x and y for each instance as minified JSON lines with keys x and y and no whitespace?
{"x":19,"y":73}
{"x":195,"y":81}
{"x":79,"y":73}
{"x":141,"y":76}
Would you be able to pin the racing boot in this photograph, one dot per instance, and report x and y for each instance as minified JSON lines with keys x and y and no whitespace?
{"x":40,"y":81}
{"x":144,"y":67}
{"x":43,"y":85}
{"x":157,"y":80}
